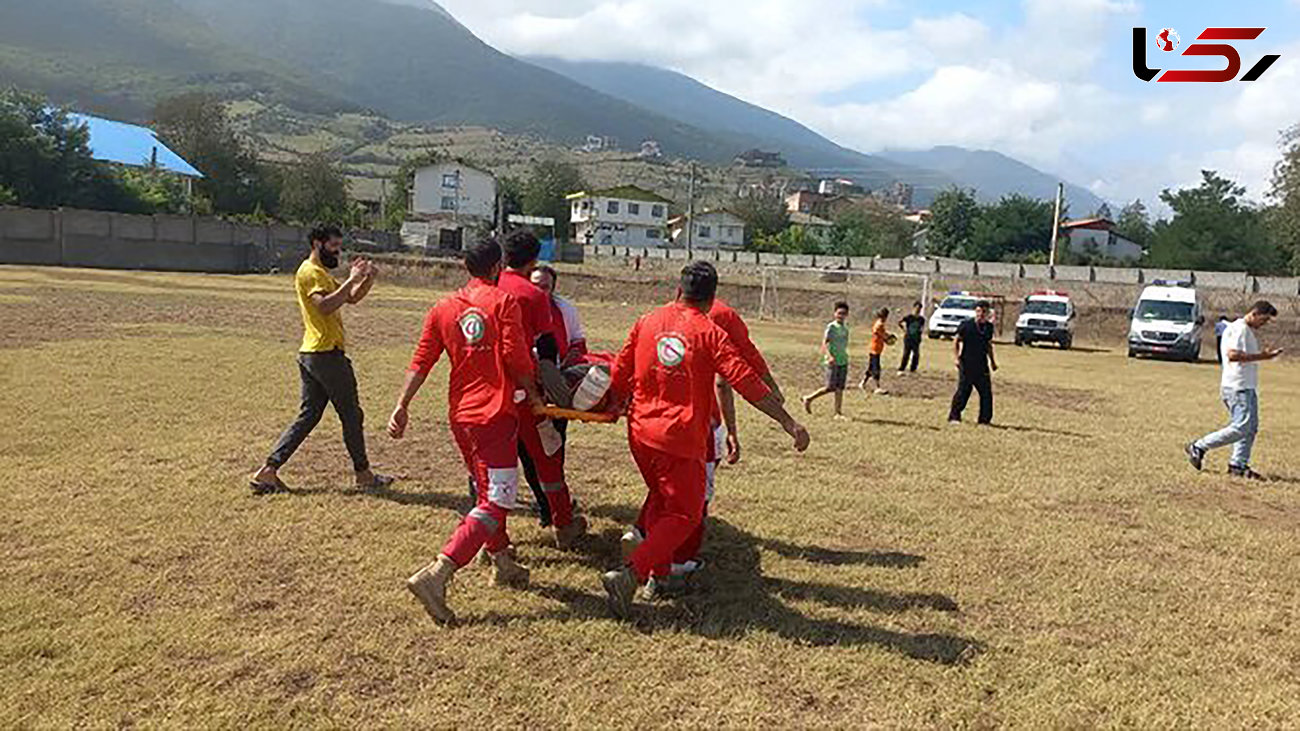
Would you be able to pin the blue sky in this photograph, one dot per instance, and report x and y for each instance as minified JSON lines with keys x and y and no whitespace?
{"x":1046,"y":81}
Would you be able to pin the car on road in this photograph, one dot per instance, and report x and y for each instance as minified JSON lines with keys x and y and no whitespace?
{"x":1047,"y":316}
{"x":1167,"y":322}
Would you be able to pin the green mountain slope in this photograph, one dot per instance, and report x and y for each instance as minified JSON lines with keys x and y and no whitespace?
{"x":118,"y":57}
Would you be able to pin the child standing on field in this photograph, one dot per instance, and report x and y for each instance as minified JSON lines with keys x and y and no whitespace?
{"x":835,"y":354}
{"x":880,"y":337}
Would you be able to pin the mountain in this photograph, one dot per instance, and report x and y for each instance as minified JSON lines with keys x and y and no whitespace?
{"x":994,"y":175}
{"x":686,"y":100}
{"x":117,"y":57}
{"x":418,"y":64}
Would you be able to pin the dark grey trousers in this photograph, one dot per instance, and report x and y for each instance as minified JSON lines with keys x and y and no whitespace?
{"x":327,"y":378}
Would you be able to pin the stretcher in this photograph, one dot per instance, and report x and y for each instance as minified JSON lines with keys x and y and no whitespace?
{"x":590,"y":417}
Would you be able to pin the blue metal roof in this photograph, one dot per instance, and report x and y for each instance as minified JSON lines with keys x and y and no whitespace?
{"x":130,"y":144}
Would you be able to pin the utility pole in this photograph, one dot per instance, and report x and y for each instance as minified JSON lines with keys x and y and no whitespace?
{"x":690,"y":216}
{"x":1056,"y":222}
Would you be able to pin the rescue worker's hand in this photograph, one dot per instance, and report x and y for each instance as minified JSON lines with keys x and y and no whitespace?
{"x":397,"y":423}
{"x":801,"y":437}
{"x":733,"y":448}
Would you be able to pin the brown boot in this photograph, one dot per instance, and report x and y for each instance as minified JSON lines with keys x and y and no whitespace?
{"x":429,"y":585}
{"x":620,"y":587}
{"x":507,"y":571}
{"x":568,"y":535}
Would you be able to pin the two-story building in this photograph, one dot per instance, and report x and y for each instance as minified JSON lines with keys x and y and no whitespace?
{"x":449,"y":201}
{"x":716,"y":229}
{"x":622,"y":216}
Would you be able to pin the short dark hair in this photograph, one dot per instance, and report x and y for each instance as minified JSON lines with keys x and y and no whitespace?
{"x":983,"y":305}
{"x":883,"y":313}
{"x":1264,"y":307}
{"x":549,"y":271}
{"x":842,"y":305}
{"x":918,"y":305}
{"x":481,"y":256}
{"x":321,"y":234}
{"x":521,"y":249}
{"x":699,"y":282}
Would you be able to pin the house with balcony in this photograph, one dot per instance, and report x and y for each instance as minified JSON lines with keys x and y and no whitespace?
{"x":623,"y":216}
{"x":712,"y":229}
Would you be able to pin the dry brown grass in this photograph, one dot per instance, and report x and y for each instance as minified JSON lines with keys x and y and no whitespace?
{"x":1067,"y":569}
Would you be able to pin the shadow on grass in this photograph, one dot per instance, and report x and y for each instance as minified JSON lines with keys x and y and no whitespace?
{"x":1037,"y":430}
{"x":732,"y":597}
{"x":892,"y":422}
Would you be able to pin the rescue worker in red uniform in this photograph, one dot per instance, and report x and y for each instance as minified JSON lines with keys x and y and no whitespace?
{"x":521,"y":250}
{"x":724,"y":441}
{"x":480,"y":329}
{"x":668,"y":369}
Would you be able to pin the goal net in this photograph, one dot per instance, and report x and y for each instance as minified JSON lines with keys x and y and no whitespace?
{"x":793,"y":292}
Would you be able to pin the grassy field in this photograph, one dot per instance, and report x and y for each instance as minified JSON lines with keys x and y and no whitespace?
{"x":1065,"y":568}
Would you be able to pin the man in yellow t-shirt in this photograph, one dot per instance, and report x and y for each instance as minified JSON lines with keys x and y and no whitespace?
{"x":326,"y":373}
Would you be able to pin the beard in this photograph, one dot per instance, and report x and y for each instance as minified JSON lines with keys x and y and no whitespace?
{"x":330,"y":260}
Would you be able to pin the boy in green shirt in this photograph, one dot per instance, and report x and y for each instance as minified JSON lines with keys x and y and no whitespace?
{"x":835,"y":354}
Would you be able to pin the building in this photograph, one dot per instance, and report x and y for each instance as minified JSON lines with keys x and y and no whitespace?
{"x":450,"y":199}
{"x":599,"y":143}
{"x":650,"y":150}
{"x":760,"y":159}
{"x":809,"y":221}
{"x":622,"y":216}
{"x":1097,"y":237}
{"x":899,"y":194}
{"x":839,"y":186}
{"x":716,"y":229}
{"x":804,"y":201}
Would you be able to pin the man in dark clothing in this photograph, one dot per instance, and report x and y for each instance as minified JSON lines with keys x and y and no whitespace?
{"x":913,"y":327}
{"x":974,"y":350}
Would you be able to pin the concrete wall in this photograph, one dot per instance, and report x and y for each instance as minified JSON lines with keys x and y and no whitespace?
{"x":1073,"y":273}
{"x":69,"y":237}
{"x":1115,"y":275}
{"x":999,"y":270}
{"x":40,"y":230}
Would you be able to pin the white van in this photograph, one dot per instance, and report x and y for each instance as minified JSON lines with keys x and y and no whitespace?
{"x":1167,"y":321}
{"x":1046,"y":316}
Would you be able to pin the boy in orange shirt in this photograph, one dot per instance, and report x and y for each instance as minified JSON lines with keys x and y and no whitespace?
{"x":880,"y":337}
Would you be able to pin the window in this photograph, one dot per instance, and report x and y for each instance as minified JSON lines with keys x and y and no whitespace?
{"x":448,"y":203}
{"x":657,"y":211}
{"x":731,"y":232}
{"x":705,"y":231}
{"x":612,"y":207}
{"x":450,"y":180}
{"x":634,"y":209}
{"x":652,"y":233}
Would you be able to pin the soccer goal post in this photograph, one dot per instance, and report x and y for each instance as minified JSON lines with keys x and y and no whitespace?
{"x":800,"y":292}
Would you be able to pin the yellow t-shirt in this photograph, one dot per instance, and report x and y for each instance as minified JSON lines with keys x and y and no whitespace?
{"x":321,"y":332}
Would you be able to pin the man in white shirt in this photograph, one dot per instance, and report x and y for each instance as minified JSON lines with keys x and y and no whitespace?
{"x":1240,"y":355}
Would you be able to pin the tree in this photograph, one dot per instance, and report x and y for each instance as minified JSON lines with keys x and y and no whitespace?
{"x":871,"y":230}
{"x":1213,"y":229}
{"x":545,"y":189}
{"x":952,"y":221}
{"x":316,"y":191}
{"x":8,"y":197}
{"x":1016,"y":228}
{"x":197,"y":127}
{"x":764,"y":213}
{"x":1134,"y":224}
{"x":1284,"y":217}
{"x":1103,"y":211}
{"x":157,"y":191}
{"x":45,"y":159}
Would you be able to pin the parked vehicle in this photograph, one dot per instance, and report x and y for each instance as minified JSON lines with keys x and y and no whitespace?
{"x":1167,"y":322}
{"x":1047,"y":316}
{"x":955,"y":309}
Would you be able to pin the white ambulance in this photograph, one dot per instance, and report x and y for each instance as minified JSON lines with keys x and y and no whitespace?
{"x":1046,"y":316}
{"x":1167,"y":322}
{"x":955,"y":309}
